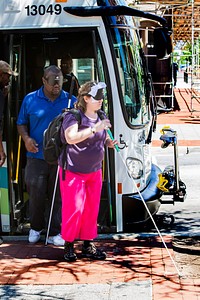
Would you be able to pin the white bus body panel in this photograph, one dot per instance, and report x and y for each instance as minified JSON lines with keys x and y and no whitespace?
{"x":21,"y":14}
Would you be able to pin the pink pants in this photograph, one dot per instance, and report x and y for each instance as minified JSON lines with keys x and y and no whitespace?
{"x":80,"y":204}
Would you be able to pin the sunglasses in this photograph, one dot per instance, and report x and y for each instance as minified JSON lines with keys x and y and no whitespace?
{"x":53,"y":80}
{"x":97,"y":98}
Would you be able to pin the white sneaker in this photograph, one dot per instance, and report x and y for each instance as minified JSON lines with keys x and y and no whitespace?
{"x":56,"y":240}
{"x":34,"y":236}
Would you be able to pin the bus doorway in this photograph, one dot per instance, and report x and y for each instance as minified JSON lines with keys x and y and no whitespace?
{"x":30,"y":53}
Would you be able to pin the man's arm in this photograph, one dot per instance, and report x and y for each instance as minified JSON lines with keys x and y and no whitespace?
{"x":30,"y":144}
{"x":2,"y":152}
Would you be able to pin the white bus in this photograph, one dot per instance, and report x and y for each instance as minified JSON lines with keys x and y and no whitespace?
{"x":102,"y":38}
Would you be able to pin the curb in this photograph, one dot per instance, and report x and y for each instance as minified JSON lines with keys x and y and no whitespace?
{"x":187,"y":245}
{"x":123,"y":236}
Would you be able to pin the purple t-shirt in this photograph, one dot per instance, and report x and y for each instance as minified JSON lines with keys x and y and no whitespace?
{"x":86,"y":156}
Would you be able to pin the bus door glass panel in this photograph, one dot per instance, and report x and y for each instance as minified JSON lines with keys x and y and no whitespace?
{"x":91,"y":67}
{"x":16,"y":99}
{"x":85,"y":69}
{"x":102,"y":75}
{"x":12,"y":138}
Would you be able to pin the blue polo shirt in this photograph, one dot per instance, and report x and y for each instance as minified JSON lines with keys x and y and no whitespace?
{"x":37,"y":111}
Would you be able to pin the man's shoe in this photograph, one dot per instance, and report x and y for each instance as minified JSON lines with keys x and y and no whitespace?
{"x":34,"y":236}
{"x":69,"y":254}
{"x":56,"y":240}
{"x":92,"y":252}
{"x":1,"y":240}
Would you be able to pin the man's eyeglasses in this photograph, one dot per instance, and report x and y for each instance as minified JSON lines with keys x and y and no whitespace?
{"x":53,"y":80}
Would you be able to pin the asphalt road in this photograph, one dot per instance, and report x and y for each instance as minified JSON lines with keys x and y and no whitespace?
{"x":187,"y":213}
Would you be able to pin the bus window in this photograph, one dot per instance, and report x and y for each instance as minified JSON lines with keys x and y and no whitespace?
{"x":131,"y":74}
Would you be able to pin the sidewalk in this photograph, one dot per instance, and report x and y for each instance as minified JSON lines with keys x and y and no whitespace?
{"x":138,"y":267}
{"x":185,"y":122}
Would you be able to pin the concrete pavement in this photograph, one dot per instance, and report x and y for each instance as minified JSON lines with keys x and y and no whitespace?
{"x":136,"y":268}
{"x":185,"y":122}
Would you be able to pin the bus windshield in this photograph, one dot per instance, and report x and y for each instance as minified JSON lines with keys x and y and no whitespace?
{"x":131,"y":74}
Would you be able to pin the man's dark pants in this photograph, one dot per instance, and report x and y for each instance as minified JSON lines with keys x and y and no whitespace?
{"x":40,"y":182}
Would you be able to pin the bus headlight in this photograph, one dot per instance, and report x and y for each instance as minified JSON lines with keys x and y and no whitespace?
{"x":134,"y":166}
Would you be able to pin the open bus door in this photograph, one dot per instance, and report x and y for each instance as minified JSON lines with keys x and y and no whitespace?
{"x":10,"y":172}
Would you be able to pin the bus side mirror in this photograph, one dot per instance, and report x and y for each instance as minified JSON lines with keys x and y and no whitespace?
{"x":162,"y":42}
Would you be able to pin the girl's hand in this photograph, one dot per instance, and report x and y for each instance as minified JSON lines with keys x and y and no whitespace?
{"x":111,"y":143}
{"x":102,"y":125}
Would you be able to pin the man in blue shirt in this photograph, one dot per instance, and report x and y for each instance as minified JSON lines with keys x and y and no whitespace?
{"x":38,"y":109}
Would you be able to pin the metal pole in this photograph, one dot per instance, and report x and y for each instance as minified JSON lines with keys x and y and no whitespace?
{"x":176,"y":163}
{"x":172,"y":62}
{"x":193,"y":59}
{"x":108,"y":186}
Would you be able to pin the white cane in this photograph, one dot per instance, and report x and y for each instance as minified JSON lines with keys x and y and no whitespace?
{"x":56,"y":180}
{"x":52,"y":204}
